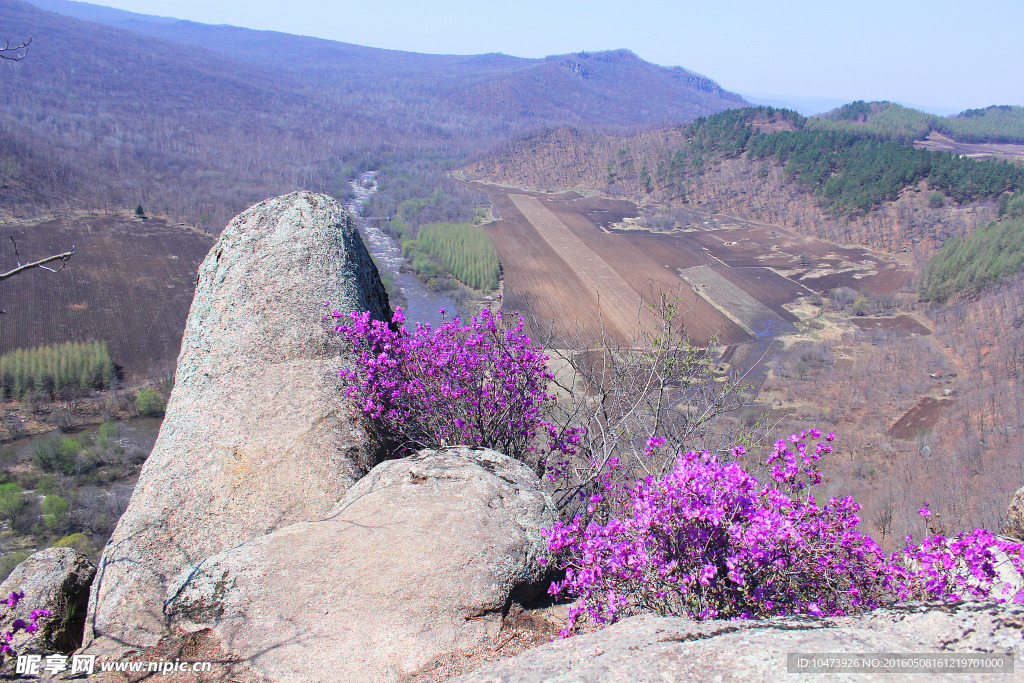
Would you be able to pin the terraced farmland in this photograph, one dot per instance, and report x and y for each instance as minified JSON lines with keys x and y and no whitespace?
{"x":621,"y":305}
{"x":565,"y":261}
{"x":129,"y":284}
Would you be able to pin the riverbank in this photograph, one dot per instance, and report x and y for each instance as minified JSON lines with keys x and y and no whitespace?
{"x":69,"y":488}
{"x":36,"y":415}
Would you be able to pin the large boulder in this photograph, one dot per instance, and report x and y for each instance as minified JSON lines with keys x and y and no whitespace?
{"x":257,"y":435}
{"x":56,"y":579}
{"x":651,"y":648}
{"x":1015,"y":517}
{"x":421,"y":559}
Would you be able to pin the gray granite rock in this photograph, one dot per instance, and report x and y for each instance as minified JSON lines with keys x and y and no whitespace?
{"x":651,"y":648}
{"x":257,"y":435}
{"x":420,"y":559}
{"x":56,"y":579}
{"x":1015,"y":517}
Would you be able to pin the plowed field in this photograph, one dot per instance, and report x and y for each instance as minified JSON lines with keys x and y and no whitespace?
{"x":130,"y":284}
{"x":920,"y":418}
{"x":565,"y":261}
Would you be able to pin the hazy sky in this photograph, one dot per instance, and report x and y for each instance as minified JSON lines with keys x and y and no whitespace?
{"x":942,"y":53}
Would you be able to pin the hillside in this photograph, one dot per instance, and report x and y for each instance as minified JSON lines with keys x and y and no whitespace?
{"x":129,"y":284}
{"x":994,"y":124}
{"x":111,"y":110}
{"x":757,"y":209}
{"x":135,"y":120}
{"x":200,"y":121}
{"x":773,"y":166}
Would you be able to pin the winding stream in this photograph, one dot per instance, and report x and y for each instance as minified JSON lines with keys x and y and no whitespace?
{"x":421,"y":304}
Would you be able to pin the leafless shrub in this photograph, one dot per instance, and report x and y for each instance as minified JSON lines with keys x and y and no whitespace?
{"x":61,"y":419}
{"x":659,"y":385}
{"x":883,"y":516}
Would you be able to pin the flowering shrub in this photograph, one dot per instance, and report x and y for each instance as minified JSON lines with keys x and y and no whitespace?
{"x":480,"y":384}
{"x":30,"y":626}
{"x":708,"y":540}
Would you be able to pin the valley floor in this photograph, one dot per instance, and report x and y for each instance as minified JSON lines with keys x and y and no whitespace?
{"x":829,"y":335}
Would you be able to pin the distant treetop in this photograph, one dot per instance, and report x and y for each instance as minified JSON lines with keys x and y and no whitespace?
{"x":996,"y":124}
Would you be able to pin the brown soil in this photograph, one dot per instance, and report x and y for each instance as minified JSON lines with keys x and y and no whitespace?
{"x":533,"y":283}
{"x":621,"y":305}
{"x":900,"y":323}
{"x":569,"y":261}
{"x":1006,"y":151}
{"x":130,"y":284}
{"x":923,"y":416}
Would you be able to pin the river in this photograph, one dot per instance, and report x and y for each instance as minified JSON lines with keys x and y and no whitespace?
{"x":422,"y":305}
{"x":138,"y":434}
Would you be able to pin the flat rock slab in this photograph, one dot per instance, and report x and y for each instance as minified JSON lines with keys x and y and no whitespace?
{"x":257,"y":433}
{"x":650,"y":648}
{"x":420,"y":559}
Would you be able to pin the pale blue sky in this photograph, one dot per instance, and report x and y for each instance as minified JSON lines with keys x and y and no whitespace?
{"x":950,"y":54}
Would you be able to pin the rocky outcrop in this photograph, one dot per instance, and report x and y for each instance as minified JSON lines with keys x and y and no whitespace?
{"x":56,"y":579}
{"x":651,"y":648}
{"x":257,"y":435}
{"x":419,"y":560}
{"x":1015,"y":517}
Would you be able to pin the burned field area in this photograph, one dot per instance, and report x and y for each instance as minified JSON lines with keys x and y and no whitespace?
{"x":130,"y":284}
{"x":900,"y":324}
{"x":922,"y":417}
{"x":569,"y":262}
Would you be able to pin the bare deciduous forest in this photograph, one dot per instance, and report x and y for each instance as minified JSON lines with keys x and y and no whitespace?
{"x":195,"y":124}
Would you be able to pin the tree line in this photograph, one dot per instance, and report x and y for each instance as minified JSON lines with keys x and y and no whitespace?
{"x":56,"y":370}
{"x":891,"y":121}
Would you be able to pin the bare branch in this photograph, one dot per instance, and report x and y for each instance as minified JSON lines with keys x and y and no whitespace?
{"x":41,"y":263}
{"x":14,"y":53}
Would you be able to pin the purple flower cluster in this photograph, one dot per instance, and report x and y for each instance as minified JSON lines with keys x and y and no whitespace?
{"x":709,"y":540}
{"x":481,"y":384}
{"x":18,"y":625}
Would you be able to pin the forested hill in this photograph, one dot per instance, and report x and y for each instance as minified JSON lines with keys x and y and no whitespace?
{"x":199,"y":121}
{"x":851,"y":172}
{"x":614,"y":88}
{"x":998,"y":123}
{"x":776,"y":166}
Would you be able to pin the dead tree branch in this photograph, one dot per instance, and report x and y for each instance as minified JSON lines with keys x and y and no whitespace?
{"x":41,"y":263}
{"x":14,"y":53}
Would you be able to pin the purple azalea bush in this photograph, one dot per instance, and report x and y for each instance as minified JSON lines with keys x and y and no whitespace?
{"x":708,"y":540}
{"x":29,"y":626}
{"x":480,"y":384}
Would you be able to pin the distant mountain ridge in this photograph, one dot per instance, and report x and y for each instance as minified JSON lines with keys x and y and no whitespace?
{"x":575,"y":89}
{"x":199,"y":121}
